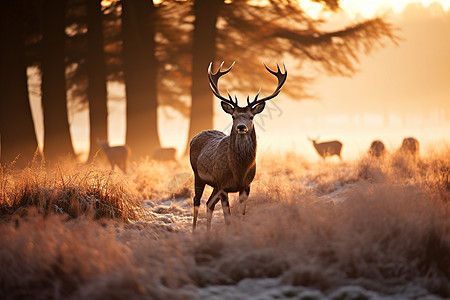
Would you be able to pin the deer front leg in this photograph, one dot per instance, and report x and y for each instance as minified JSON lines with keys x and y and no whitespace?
{"x":210,"y":204}
{"x":226,"y":208}
{"x":243,"y":196}
{"x":199,"y":187}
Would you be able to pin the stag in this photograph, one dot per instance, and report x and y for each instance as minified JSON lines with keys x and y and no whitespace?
{"x":377,"y":149}
{"x":227,"y":162}
{"x":117,"y":155}
{"x":325,"y":149}
{"x":410,"y":145}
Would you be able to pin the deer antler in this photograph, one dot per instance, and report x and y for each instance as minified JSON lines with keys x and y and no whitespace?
{"x":281,"y":80}
{"x":214,"y":82}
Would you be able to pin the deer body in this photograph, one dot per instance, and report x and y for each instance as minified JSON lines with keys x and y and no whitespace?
{"x":224,"y":162}
{"x":330,"y":148}
{"x":117,"y":155}
{"x":410,"y":145}
{"x":165,"y":154}
{"x":227,"y":162}
{"x":377,"y":148}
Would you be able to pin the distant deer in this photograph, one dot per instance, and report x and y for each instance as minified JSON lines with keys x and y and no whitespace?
{"x":410,"y":145}
{"x":165,"y":154}
{"x":227,"y":163}
{"x":377,"y":148}
{"x":326,"y":149}
{"x":117,"y":155}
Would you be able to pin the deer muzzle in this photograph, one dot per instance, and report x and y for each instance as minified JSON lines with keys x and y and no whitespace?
{"x":242,"y":129}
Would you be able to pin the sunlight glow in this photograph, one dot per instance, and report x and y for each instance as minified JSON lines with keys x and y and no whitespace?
{"x":261,"y":3}
{"x":368,"y":9}
{"x":313,"y":9}
{"x":107,"y":3}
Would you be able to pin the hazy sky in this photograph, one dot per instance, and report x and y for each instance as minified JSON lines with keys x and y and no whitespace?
{"x":411,"y":76}
{"x":369,"y":8}
{"x":399,"y":90}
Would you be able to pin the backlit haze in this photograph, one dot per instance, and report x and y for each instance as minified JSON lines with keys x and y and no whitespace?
{"x":400,"y":90}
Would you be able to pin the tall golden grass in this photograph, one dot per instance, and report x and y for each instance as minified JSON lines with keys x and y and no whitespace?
{"x":382,"y":226}
{"x":70,"y":189}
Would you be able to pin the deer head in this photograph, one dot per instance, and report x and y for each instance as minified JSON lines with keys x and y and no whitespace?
{"x":243,"y":116}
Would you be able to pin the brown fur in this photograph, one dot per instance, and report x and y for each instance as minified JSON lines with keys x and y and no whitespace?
{"x":165,"y":154}
{"x":329,"y":148}
{"x":117,"y":155}
{"x":230,"y":160}
{"x":410,"y":145}
{"x":377,"y":148}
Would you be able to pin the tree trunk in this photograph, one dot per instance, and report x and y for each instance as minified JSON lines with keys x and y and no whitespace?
{"x":204,"y":51}
{"x":97,"y":94}
{"x":16,"y":122}
{"x":57,"y":140}
{"x":140,"y":73}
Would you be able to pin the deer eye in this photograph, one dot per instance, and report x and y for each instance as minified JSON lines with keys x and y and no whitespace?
{"x":251,"y":118}
{"x":233,"y":117}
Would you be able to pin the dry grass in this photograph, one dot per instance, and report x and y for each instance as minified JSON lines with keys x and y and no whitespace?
{"x":156,"y":180}
{"x":354,"y":230}
{"x":68,"y":189}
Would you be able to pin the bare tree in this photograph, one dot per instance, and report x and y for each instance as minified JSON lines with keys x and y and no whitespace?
{"x":204,"y":51}
{"x":57,"y":139}
{"x":140,"y":74}
{"x":16,"y":123}
{"x":96,"y":71}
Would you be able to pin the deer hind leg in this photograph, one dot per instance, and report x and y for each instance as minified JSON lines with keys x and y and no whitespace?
{"x":199,"y":187}
{"x":210,"y":204}
{"x":123,"y":167}
{"x":226,"y":208}
{"x":243,"y":196}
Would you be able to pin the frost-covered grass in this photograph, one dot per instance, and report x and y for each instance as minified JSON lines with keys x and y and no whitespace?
{"x":365,"y":229}
{"x":69,"y":189}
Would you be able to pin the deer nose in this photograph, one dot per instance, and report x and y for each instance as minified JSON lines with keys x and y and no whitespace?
{"x":242,"y":128}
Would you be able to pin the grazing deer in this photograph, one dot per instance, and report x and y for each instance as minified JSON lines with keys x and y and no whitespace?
{"x":227,"y":163}
{"x":165,"y":154}
{"x":117,"y":155}
{"x":377,"y":149}
{"x":410,"y":145}
{"x":326,"y":149}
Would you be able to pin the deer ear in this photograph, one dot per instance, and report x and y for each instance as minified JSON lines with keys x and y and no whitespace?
{"x":258,"y":108}
{"x":227,"y":107}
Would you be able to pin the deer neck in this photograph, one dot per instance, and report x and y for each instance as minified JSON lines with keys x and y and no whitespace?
{"x":315,"y":145}
{"x":242,"y":153}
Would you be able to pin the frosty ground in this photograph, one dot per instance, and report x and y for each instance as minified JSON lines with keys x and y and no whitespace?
{"x":364,"y":229}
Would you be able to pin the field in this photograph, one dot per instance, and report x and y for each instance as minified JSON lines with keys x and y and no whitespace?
{"x":363,"y":229}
